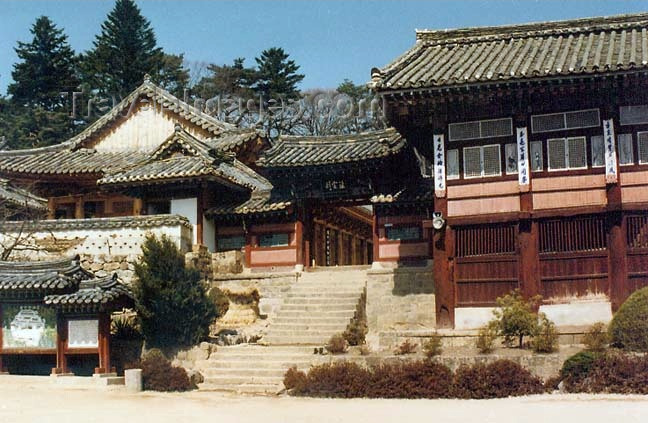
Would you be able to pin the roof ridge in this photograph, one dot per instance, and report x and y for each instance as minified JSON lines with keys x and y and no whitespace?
{"x":531,"y":29}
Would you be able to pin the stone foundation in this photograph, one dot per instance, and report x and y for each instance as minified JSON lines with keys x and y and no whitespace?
{"x":104,"y":265}
{"x":400,"y":298}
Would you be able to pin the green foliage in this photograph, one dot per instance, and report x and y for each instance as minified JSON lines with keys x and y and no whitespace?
{"x":576,"y":368}
{"x":433,"y":346}
{"x":125,"y":328}
{"x":596,"y":338}
{"x":545,"y":340}
{"x":500,"y":379}
{"x":405,"y":348}
{"x":629,"y":326}
{"x":516,"y":317}
{"x":616,"y":373}
{"x":337,"y":344}
{"x":172,"y":75}
{"x":357,"y":329}
{"x":220,"y":300}
{"x":46,"y":68}
{"x":276,"y":76}
{"x":171,"y":300}
{"x":224,"y":80}
{"x":486,"y":337}
{"x":124,"y":51}
{"x":159,"y":375}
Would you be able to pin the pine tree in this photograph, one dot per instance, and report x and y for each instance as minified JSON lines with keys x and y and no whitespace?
{"x":277,"y":76}
{"x":124,"y":52}
{"x":171,"y":300}
{"x":46,"y":69}
{"x":172,"y":76}
{"x":234,"y":80}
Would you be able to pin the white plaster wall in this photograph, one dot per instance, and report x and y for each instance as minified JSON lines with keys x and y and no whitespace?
{"x":472,"y":317}
{"x":187,"y":207}
{"x":578,"y":313}
{"x":209,"y":234}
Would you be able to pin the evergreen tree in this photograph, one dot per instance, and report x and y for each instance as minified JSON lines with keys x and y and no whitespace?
{"x":171,"y":300}
{"x":277,"y":76}
{"x":123,"y":53}
{"x":172,"y":76}
{"x":234,"y":80}
{"x":46,"y":69}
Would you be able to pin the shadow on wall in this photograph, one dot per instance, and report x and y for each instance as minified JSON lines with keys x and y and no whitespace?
{"x":413,"y":281}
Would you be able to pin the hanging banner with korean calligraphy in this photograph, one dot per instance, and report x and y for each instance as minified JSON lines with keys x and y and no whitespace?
{"x":523,"y":156}
{"x":439,"y":167}
{"x":611,"y":176}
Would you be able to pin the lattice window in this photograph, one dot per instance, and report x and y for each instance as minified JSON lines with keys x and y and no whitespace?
{"x":482,"y":161}
{"x":626,"y":150}
{"x":228,"y":243}
{"x":598,"y":151}
{"x":452,"y":171}
{"x":637,"y":231}
{"x":511,"y":158}
{"x":480,"y":129}
{"x":274,"y":240}
{"x":403,"y":233}
{"x":572,"y":234}
{"x":567,"y":153}
{"x":479,"y":240}
{"x":642,"y":141}
{"x":633,"y":115}
{"x":535,"y":156}
{"x":567,"y":120}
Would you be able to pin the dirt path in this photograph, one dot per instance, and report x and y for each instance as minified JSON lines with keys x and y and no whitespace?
{"x":30,"y":400}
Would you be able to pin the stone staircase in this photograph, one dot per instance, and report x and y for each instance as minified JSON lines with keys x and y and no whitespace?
{"x":319,"y":305}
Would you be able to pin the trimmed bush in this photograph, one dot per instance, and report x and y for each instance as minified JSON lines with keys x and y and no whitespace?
{"x":516,"y":318}
{"x":618,"y":373}
{"x":171,"y":300}
{"x":337,"y":345}
{"x":412,"y":379}
{"x":576,"y":368}
{"x":407,"y":347}
{"x":159,"y":375}
{"x":596,"y":338}
{"x":342,"y":379}
{"x":433,"y":346}
{"x":546,"y":338}
{"x":486,"y":338}
{"x":220,"y":300}
{"x":294,"y":379}
{"x":500,"y":379}
{"x":629,"y":326}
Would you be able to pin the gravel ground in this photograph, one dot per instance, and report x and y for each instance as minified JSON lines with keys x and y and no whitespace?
{"x":24,"y":399}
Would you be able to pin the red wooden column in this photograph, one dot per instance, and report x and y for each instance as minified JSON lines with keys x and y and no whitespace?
{"x":528,"y":258}
{"x":376,"y":237}
{"x":61,"y":345}
{"x":442,"y":254}
{"x":617,"y":259}
{"x":104,"y":344}
{"x":299,"y":241}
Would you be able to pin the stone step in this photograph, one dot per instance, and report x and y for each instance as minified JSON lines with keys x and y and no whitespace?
{"x":243,"y":380}
{"x":261,"y":350}
{"x":342,"y":302}
{"x":312,"y":340}
{"x":292,"y":332}
{"x":318,"y":307}
{"x":310,"y":326}
{"x":247,"y":388}
{"x":300,"y":314}
{"x":245,"y":363}
{"x":310,"y":320}
{"x":316,"y":295}
{"x":270,"y":357}
{"x":249,"y":373}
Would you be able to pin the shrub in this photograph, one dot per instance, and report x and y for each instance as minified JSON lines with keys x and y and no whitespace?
{"x":552,"y":383}
{"x":546,"y":338}
{"x":629,"y":327}
{"x":412,"y":379}
{"x":337,"y":345}
{"x":220,"y":300}
{"x":433,"y":346}
{"x":357,"y":329}
{"x":486,"y":337}
{"x":159,"y":375}
{"x":576,"y":368}
{"x":171,"y":300}
{"x":596,"y":338}
{"x":125,"y":328}
{"x":500,"y":379}
{"x":341,"y":379}
{"x":617,"y":373}
{"x":516,"y":318}
{"x":407,"y":347}
{"x":294,"y":379}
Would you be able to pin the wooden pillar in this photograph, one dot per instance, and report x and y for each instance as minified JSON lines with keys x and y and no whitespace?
{"x":617,"y":259}
{"x":78,"y":208}
{"x":376,"y":237}
{"x":199,"y":218}
{"x":104,"y":344}
{"x":138,"y":206}
{"x":299,"y":241}
{"x":61,"y":345}
{"x":51,"y":208}
{"x":528,"y":258}
{"x":443,"y":254}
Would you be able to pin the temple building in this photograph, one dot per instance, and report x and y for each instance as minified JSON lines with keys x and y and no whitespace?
{"x":517,"y":157}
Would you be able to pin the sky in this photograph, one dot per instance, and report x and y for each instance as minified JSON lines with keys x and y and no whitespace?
{"x":330,"y":40}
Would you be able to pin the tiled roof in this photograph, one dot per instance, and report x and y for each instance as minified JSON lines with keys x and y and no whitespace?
{"x":152,"y":221}
{"x":423,"y":192}
{"x":519,"y":52}
{"x":59,"y":160}
{"x":19,"y":197}
{"x":183,"y":156}
{"x":292,"y":151}
{"x":100,"y":294}
{"x":18,"y":278}
{"x":254,"y":205}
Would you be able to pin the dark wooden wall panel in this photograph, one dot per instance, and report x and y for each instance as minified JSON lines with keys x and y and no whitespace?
{"x":574,"y":274}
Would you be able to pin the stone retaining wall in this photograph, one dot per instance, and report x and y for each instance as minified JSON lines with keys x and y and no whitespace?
{"x":103,"y":265}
